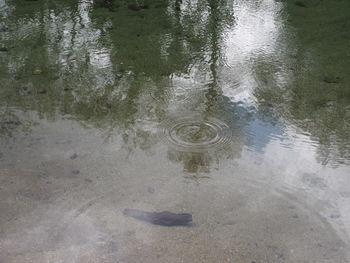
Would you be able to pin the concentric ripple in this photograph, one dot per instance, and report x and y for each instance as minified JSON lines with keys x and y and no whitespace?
{"x":195,"y":134}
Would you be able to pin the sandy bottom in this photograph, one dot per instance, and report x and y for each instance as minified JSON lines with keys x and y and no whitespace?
{"x":63,"y":194}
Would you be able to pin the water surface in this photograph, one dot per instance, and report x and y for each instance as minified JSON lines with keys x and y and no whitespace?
{"x":236,"y":112}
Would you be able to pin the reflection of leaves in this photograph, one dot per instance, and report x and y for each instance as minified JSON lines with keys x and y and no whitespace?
{"x":192,"y":162}
{"x":317,"y":112}
{"x":62,"y":69}
{"x":317,"y":98}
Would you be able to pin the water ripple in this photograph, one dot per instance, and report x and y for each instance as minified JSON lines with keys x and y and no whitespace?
{"x":195,"y":133}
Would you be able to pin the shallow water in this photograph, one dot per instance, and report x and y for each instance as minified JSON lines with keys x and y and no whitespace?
{"x":236,"y":112}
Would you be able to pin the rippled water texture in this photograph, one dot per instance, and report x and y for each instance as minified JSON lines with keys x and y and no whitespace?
{"x":194,"y":134}
{"x":174,"y":131}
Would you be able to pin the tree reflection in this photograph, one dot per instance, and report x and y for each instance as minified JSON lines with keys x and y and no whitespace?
{"x":316,"y":97}
{"x":125,"y":66}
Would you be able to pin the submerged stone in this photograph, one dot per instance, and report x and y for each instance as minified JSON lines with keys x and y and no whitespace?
{"x":164,"y":218}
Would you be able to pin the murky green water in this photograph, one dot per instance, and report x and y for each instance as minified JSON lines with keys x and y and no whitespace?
{"x":237,"y":112}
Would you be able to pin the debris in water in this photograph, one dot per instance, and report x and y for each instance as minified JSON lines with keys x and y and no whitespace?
{"x":331,"y":80}
{"x":164,"y":218}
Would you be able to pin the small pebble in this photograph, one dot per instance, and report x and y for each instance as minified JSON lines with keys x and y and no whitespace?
{"x":74,"y":156}
{"x":334,"y":216}
{"x":75,"y":172}
{"x":1,"y":155}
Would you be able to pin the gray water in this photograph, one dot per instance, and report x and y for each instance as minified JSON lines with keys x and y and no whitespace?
{"x":236,"y":112}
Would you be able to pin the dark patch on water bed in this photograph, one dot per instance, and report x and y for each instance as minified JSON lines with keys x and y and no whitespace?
{"x":75,"y":172}
{"x":331,"y":79}
{"x":137,"y":7}
{"x":74,"y":156}
{"x":109,"y":4}
{"x":113,"y":5}
{"x":43,"y":92}
{"x":164,"y":218}
{"x":11,"y":123}
{"x":300,"y":4}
